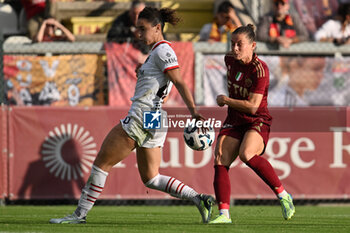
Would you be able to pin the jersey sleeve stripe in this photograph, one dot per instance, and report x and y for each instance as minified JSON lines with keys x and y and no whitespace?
{"x":259,"y":69}
{"x":170,"y":68}
{"x":260,"y":74}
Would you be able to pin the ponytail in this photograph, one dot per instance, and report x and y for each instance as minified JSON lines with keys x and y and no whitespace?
{"x":169,"y":16}
{"x":162,"y":16}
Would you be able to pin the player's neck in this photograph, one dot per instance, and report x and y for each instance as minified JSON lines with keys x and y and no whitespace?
{"x":247,"y":60}
{"x":156,"y":40}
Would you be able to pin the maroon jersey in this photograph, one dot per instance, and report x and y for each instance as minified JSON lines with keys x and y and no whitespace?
{"x":242,"y":79}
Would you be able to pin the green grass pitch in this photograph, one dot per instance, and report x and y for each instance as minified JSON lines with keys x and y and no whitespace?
{"x":175,"y":219}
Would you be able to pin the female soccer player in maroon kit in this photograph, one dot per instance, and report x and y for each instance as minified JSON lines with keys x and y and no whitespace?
{"x":246,"y":129}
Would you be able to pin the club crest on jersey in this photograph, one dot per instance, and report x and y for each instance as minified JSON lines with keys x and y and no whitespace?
{"x":239,"y":76}
{"x":248,"y":82}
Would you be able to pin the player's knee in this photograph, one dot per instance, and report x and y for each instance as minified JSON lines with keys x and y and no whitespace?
{"x":151,"y":182}
{"x":103,"y":163}
{"x":217,"y":158}
{"x":245,"y":156}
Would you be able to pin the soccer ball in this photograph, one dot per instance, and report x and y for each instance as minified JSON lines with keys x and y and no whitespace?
{"x":196,"y":139}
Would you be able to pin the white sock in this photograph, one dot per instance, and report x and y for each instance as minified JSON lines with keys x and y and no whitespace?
{"x":174,"y":187}
{"x":91,"y":191}
{"x":225,"y":212}
{"x":282,"y":194}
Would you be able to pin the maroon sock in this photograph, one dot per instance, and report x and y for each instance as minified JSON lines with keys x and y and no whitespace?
{"x":263,"y":168}
{"x":222,"y":186}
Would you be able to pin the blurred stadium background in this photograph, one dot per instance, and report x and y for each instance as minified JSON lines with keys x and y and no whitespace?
{"x":59,"y":99}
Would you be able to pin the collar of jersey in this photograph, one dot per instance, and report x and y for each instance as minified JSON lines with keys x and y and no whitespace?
{"x":253,"y":59}
{"x":160,"y":42}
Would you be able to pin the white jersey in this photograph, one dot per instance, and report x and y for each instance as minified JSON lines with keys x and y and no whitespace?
{"x":151,"y":88}
{"x":152,"y":85}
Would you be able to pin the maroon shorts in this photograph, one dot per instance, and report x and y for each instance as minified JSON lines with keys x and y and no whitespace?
{"x":238,"y":131}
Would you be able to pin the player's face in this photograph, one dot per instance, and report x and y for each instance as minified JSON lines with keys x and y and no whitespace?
{"x":242,"y":47}
{"x":148,"y":33}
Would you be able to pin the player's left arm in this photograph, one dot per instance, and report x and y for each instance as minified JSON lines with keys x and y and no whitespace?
{"x":175,"y":77}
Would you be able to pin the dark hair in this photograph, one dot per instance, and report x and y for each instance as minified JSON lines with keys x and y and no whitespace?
{"x":224,"y":7}
{"x":343,"y":10}
{"x":135,"y":3}
{"x":162,"y":16}
{"x":247,"y":30}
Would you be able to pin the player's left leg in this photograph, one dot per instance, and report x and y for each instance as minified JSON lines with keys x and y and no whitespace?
{"x":226,"y":151}
{"x":116,"y":146}
{"x":148,"y":161}
{"x":251,"y":147}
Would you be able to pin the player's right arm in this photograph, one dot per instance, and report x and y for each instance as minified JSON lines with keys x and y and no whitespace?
{"x":256,"y":94}
{"x":249,"y":106}
{"x":175,"y":77}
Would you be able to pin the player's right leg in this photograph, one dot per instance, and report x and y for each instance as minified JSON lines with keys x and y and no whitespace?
{"x":251,"y":147}
{"x":116,"y":146}
{"x":148,"y":161}
{"x":226,"y":151}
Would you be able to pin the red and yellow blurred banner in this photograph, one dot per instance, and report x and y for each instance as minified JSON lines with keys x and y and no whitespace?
{"x":64,"y":80}
{"x":122,"y":60}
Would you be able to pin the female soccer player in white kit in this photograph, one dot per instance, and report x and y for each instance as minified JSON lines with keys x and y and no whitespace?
{"x":155,"y":78}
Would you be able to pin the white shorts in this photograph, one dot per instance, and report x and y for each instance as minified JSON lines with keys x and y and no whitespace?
{"x":148,"y":138}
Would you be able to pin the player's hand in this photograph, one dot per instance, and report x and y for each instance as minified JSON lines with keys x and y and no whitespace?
{"x":196,"y":115}
{"x":199,"y":117}
{"x":221,"y":100}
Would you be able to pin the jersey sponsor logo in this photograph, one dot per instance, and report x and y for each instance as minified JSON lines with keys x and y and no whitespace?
{"x":239,"y":76}
{"x":171,"y":60}
{"x":239,"y":90}
{"x":152,"y":119}
{"x":258,"y":127}
{"x":227,"y":126}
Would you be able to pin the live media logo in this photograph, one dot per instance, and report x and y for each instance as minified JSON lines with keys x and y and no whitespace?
{"x":152,"y":120}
